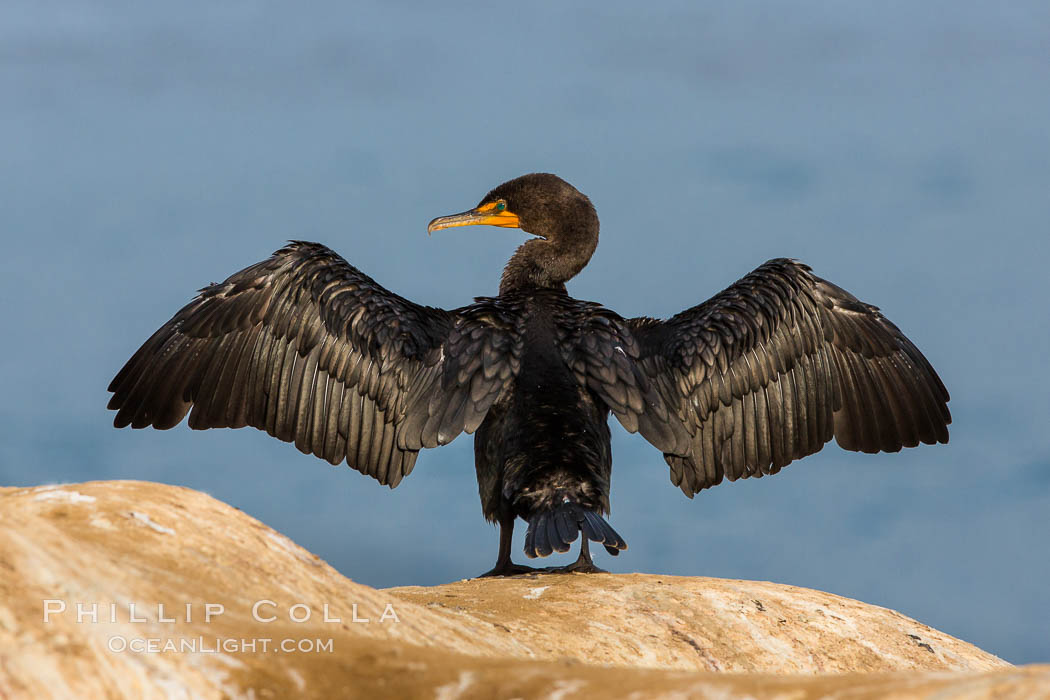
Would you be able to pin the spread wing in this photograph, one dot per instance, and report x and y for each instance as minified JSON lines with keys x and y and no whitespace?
{"x":313,"y":351}
{"x":772,"y":368}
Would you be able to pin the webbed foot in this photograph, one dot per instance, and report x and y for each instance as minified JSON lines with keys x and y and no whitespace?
{"x":578,"y":567}
{"x":509,"y":569}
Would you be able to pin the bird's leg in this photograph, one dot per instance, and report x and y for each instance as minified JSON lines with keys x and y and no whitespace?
{"x":583,"y":565}
{"x":504,"y":566}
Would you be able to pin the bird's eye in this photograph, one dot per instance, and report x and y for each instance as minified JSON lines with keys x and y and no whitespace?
{"x":501,"y":205}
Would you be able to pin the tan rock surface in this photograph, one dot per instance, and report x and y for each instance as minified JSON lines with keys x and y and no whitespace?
{"x":108,"y":545}
{"x":701,"y":624}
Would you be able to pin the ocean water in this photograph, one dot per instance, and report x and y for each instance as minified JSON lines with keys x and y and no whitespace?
{"x":901,"y":150}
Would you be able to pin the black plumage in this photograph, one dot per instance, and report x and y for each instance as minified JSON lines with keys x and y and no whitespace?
{"x":311,"y":350}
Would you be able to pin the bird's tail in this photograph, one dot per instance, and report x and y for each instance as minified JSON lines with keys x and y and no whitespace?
{"x":555,"y":530}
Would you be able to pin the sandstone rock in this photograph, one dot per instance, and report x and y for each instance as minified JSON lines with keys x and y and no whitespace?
{"x":700,"y":624}
{"x":112,"y":545}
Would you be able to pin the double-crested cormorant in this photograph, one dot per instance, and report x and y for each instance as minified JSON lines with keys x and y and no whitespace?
{"x":315,"y":352}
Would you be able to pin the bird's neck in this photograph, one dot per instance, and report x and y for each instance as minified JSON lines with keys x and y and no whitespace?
{"x":547,"y":263}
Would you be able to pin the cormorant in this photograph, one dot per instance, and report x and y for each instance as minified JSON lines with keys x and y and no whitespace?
{"x":313,"y":351}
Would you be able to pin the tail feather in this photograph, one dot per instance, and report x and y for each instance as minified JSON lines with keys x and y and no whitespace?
{"x":567,"y":527}
{"x":609,"y":537}
{"x":543,"y":543}
{"x":589,"y":530}
{"x":555,"y":531}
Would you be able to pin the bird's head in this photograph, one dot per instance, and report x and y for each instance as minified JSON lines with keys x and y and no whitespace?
{"x":539,"y":203}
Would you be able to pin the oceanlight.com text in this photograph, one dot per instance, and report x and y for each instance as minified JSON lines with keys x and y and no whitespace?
{"x":215,"y":645}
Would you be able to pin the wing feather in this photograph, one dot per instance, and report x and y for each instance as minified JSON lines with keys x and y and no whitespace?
{"x":314,"y":352}
{"x":771,"y":369}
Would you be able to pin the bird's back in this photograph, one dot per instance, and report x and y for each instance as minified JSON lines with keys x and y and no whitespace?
{"x":547,"y":439}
